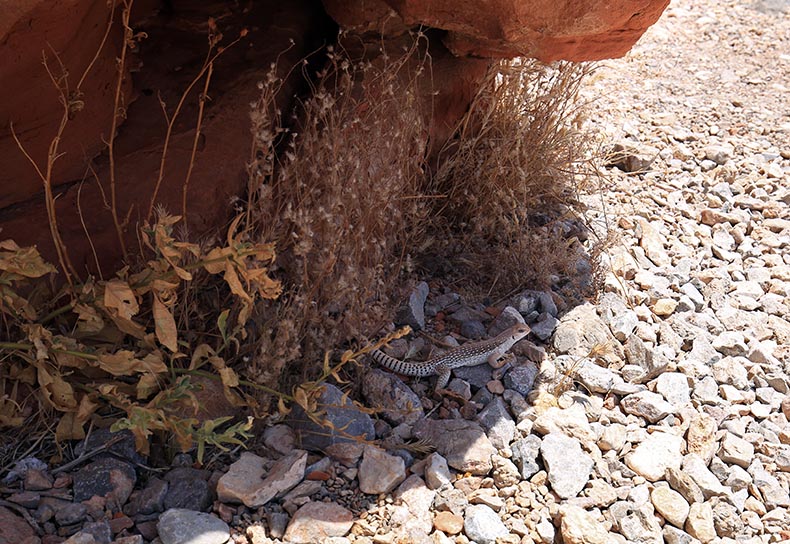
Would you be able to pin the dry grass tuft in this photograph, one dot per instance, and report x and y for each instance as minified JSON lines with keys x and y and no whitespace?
{"x":342,"y":202}
{"x":511,"y":180}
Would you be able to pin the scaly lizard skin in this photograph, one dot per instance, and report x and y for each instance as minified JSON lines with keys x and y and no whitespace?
{"x":470,"y":354}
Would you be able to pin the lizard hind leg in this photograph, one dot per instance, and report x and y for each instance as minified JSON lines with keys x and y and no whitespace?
{"x":444,"y":377}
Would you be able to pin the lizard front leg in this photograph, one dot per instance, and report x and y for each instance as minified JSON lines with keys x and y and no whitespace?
{"x":498,"y":358}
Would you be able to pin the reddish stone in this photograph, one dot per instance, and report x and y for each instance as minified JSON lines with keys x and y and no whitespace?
{"x":120,"y":523}
{"x":13,"y":528}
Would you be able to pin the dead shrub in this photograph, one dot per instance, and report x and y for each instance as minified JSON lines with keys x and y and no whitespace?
{"x":511,"y":179}
{"x":342,"y":202}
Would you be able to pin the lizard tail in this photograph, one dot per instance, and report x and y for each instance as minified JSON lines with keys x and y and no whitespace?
{"x":401,"y":367}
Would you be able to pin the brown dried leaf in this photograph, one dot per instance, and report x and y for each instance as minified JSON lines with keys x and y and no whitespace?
{"x":124,"y":363}
{"x":69,"y":428}
{"x":214,"y":261}
{"x":165,"y":324}
{"x":119,"y":296}
{"x":25,"y":262}
{"x":88,"y":319}
{"x":147,"y":385}
{"x":232,"y":279}
{"x":57,"y":391}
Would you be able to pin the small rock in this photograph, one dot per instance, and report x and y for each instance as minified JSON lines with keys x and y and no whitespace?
{"x":508,"y":317}
{"x":463,"y":443}
{"x":317,"y":521}
{"x":413,"y":312}
{"x":665,"y":306}
{"x":674,"y":387}
{"x":544,"y":327}
{"x":448,"y":523}
{"x":657,"y":453}
{"x":567,"y":479}
{"x":437,"y":473}
{"x":699,"y":523}
{"x":525,"y":453}
{"x":380,"y":472}
{"x":648,"y":405}
{"x":246,"y":481}
{"x":578,"y":526}
{"x":695,"y":467}
{"x":499,"y":426}
{"x":671,"y":505}
{"x":395,"y":400}
{"x":482,"y":525}
{"x":188,"y":489}
{"x":736,"y":451}
{"x":521,"y":379}
{"x":110,"y":478}
{"x":279,"y":438}
{"x":685,"y":485}
{"x":348,"y":423}
{"x":179,"y":526}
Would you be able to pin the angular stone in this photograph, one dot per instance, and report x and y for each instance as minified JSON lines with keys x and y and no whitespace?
{"x":189,"y":493}
{"x":349,"y":424}
{"x":497,"y":422}
{"x":685,"y":485}
{"x":578,"y":526}
{"x":246,"y":480}
{"x":522,"y":378}
{"x":699,"y":523}
{"x":736,"y":451}
{"x":380,"y":472}
{"x":694,"y":466}
{"x":463,"y":443}
{"x":674,"y":387}
{"x":396,"y":401}
{"x":437,"y":473}
{"x":179,"y":526}
{"x":701,"y":437}
{"x":413,"y":312}
{"x":482,"y":525}
{"x":648,"y":405}
{"x":657,"y":453}
{"x":413,"y":515}
{"x":448,"y":523}
{"x":581,"y":329}
{"x":671,"y":505}
{"x":14,"y":528}
{"x":110,"y":478}
{"x":318,"y":521}
{"x":571,"y":421}
{"x":567,"y":479}
{"x":525,"y":454}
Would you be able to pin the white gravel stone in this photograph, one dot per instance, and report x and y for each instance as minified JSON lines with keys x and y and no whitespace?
{"x":655,"y":455}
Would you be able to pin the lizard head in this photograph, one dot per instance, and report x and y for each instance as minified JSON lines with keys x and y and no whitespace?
{"x":518,"y":331}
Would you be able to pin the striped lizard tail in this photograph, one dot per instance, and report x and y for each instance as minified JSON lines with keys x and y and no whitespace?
{"x":402,"y":367}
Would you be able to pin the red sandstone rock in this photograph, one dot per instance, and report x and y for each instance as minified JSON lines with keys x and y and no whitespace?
{"x":548,"y":30}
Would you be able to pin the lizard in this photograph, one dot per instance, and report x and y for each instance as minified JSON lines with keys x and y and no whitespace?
{"x":470,"y":354}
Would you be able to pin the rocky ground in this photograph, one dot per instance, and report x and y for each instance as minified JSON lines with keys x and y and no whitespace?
{"x":658,"y":413}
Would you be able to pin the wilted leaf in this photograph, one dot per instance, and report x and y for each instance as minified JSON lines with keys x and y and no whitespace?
{"x":41,"y":339}
{"x":9,"y":413}
{"x":146,"y":385}
{"x":120,"y":297}
{"x":69,"y":428}
{"x":19,"y":305}
{"x":124,"y":363}
{"x":214,"y":261}
{"x":88,"y":319}
{"x":229,"y":377}
{"x":25,"y":262}
{"x":57,"y":392}
{"x":165,"y":324}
